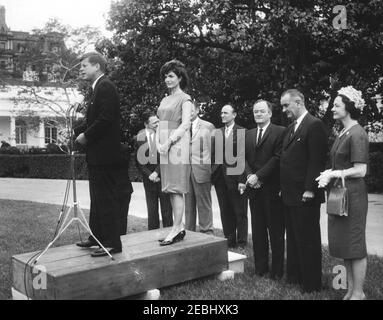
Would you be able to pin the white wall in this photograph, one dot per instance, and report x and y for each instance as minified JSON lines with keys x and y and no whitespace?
{"x":4,"y":129}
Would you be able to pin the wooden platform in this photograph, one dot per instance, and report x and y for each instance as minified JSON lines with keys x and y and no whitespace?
{"x":143,"y":265}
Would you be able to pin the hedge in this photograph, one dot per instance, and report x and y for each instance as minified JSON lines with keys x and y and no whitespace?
{"x":49,"y":166}
{"x":58,"y":167}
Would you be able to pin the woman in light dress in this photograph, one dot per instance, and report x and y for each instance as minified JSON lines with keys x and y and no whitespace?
{"x":173,"y":139}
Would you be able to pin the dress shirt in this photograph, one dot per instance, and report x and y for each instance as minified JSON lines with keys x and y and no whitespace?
{"x":95,"y":82}
{"x":228,"y":130}
{"x":299,"y":120}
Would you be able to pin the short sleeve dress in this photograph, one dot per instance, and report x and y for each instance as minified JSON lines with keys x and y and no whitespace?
{"x":175,"y":166}
{"x":347,"y":235}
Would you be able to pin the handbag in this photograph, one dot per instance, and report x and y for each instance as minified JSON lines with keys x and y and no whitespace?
{"x":337,"y":202}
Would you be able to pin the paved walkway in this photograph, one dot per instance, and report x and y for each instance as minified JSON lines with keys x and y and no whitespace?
{"x":52,"y":192}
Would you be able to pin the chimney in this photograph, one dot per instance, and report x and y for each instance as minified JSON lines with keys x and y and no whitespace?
{"x":3,"y":25}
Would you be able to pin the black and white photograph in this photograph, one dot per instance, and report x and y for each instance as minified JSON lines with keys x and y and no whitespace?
{"x":191,"y":156}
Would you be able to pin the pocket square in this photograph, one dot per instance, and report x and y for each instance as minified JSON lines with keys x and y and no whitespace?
{"x":299,"y":139}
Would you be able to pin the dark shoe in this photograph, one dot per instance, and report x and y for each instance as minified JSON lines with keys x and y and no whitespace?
{"x":179,"y":237}
{"x":101,"y":253}
{"x":231,"y":244}
{"x":86,"y":244}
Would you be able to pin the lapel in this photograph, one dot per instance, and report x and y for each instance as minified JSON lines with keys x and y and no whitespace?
{"x":198,"y":127}
{"x":254,"y":138}
{"x":91,"y":102}
{"x":142,"y":138}
{"x":296,"y":134}
{"x":96,"y":87}
{"x":264,"y":137}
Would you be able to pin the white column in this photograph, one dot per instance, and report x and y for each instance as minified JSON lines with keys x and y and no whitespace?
{"x":42,"y":133}
{"x":12,"y":131}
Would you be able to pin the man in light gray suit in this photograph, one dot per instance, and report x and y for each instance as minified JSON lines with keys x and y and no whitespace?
{"x":199,"y":196}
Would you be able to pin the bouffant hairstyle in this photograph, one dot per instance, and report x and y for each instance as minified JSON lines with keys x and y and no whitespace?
{"x":94,"y":58}
{"x":179,"y":69}
{"x":350,"y":107}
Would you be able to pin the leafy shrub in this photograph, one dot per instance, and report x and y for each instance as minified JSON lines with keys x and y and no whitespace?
{"x":375,"y":177}
{"x":50,"y":166}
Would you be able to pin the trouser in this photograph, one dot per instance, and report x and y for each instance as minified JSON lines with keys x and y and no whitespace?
{"x":125,"y":191}
{"x":304,"y":251}
{"x":198,"y":199}
{"x":233,"y":207}
{"x":268,"y":229}
{"x":105,"y":213}
{"x":153,"y":193}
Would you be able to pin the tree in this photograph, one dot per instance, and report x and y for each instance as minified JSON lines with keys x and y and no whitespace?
{"x":243,"y":50}
{"x":55,"y":68}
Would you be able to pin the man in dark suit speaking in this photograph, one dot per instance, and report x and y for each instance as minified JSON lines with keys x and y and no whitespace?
{"x":101,"y":135}
{"x":263,"y":151}
{"x":303,"y":158}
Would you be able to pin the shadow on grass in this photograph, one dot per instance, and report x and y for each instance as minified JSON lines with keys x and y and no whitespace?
{"x":28,"y":226}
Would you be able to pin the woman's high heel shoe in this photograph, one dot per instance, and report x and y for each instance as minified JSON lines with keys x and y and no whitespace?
{"x":179,"y":237}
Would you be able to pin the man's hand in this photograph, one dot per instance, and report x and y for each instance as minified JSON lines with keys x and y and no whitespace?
{"x":252,"y":180}
{"x":81,"y":139}
{"x":258,"y":185}
{"x":153,"y":177}
{"x":241,"y":188}
{"x":307,"y":196}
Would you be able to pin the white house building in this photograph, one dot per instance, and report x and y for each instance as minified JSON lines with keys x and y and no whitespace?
{"x":34,"y":116}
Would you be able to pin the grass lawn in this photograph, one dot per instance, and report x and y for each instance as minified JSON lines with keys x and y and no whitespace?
{"x":29,"y":226}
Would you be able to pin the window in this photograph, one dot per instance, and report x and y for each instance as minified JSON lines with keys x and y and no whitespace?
{"x":2,"y":45}
{"x":21,"y":132}
{"x":3,"y":64}
{"x":50,"y":134}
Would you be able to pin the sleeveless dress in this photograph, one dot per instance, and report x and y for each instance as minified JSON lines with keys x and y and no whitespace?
{"x":347,"y":235}
{"x":175,"y":166}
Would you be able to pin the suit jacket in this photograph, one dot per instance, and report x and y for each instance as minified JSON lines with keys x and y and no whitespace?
{"x":233,"y":146}
{"x":303,"y":158}
{"x":102,"y":125}
{"x":151,"y":154}
{"x":263,"y":159}
{"x":200,"y":151}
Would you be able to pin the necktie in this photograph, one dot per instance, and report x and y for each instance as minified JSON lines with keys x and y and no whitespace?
{"x":293,"y":129}
{"x":191,"y":130}
{"x":259,"y":136}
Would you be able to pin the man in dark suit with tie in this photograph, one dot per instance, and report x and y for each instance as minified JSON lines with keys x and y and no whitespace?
{"x":101,"y":136}
{"x":229,"y":177}
{"x":263,"y":150}
{"x":148,"y":163}
{"x":303,"y":158}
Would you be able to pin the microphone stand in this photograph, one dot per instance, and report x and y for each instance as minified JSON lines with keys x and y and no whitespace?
{"x":78,"y":214}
